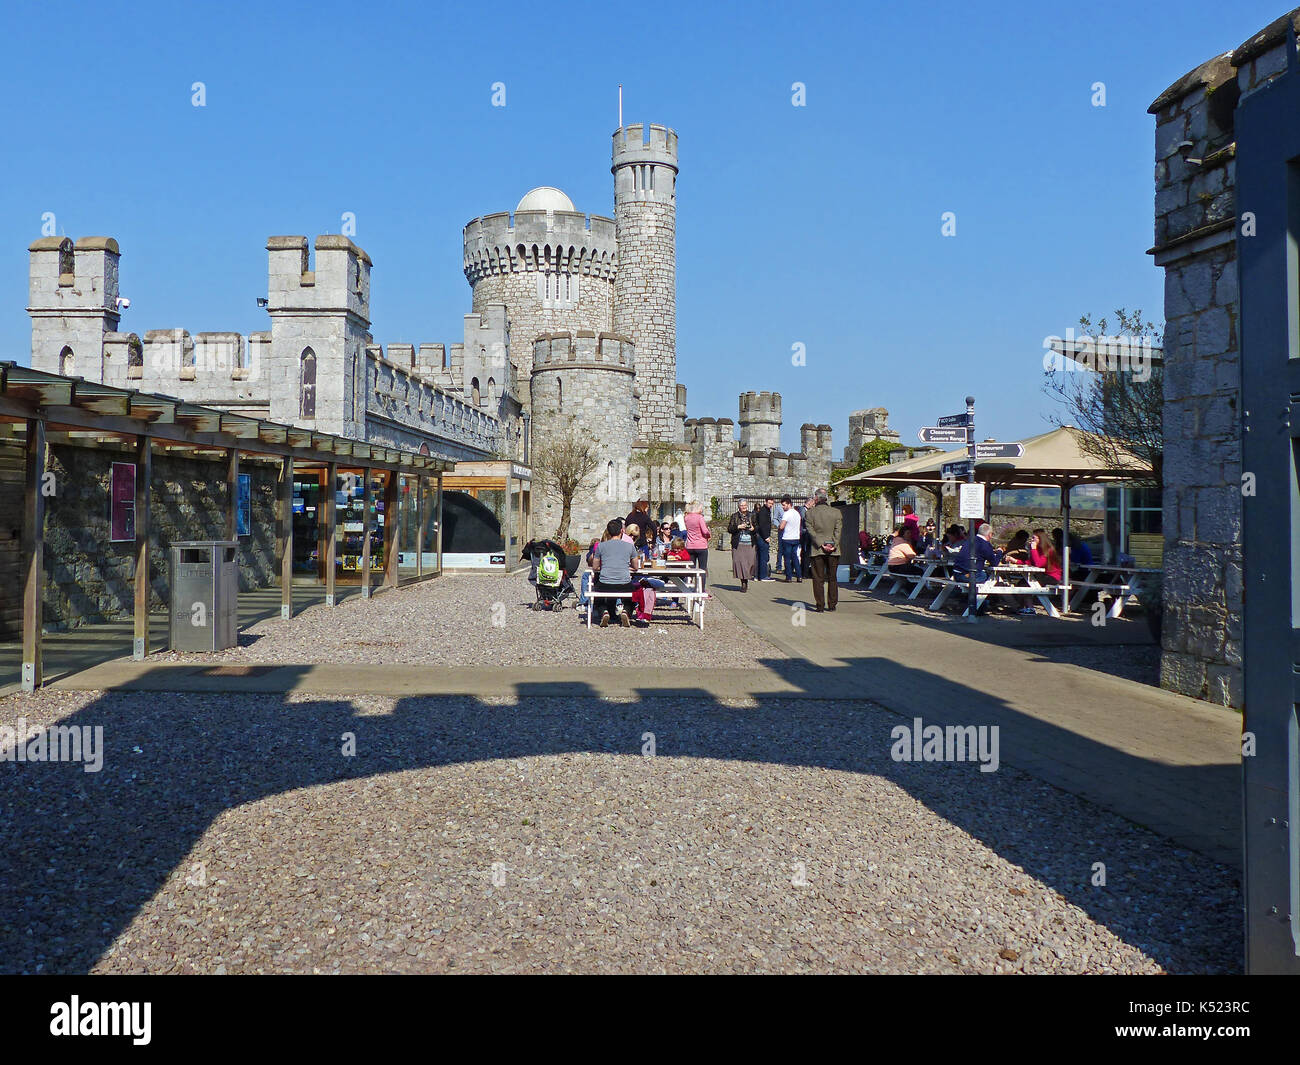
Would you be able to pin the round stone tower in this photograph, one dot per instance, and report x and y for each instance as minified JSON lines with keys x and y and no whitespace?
{"x":760,"y":421}
{"x":551,"y":265}
{"x":645,"y":289}
{"x":583,"y":388}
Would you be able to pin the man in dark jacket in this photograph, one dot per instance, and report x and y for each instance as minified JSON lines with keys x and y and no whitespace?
{"x":763,"y":526}
{"x":824,"y":524}
{"x":986,"y":556}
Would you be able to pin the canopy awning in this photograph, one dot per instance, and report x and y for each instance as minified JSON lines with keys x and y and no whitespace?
{"x":1055,"y":458}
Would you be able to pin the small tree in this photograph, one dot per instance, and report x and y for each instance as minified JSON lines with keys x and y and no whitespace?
{"x":872,"y":454}
{"x":565,"y":465}
{"x":1123,"y":411}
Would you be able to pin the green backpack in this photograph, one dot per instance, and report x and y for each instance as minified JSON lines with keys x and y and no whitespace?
{"x":548,"y":571}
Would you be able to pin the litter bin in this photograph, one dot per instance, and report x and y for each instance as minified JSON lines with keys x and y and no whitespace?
{"x":205,"y":595}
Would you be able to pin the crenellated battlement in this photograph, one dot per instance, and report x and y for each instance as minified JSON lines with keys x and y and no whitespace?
{"x":540,"y":241}
{"x":760,"y":407}
{"x":585,"y":349}
{"x":638,"y":143}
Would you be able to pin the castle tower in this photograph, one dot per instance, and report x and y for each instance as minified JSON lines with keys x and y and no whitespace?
{"x":760,"y":421}
{"x":549,"y":265}
{"x":582,"y":387}
{"x":72,"y":301}
{"x":320,"y":327}
{"x":645,"y":288}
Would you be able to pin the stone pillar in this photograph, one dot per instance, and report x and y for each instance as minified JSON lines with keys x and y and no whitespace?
{"x":1195,"y":243}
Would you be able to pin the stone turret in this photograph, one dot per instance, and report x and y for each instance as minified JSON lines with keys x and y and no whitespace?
{"x":320,"y":328}
{"x":645,"y":288}
{"x":760,"y":421}
{"x":72,"y":301}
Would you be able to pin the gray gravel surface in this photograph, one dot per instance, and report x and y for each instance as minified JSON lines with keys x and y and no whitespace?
{"x":228,"y":833}
{"x":485,"y":620}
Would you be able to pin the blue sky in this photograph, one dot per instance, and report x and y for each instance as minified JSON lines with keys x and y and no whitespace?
{"x":817,"y":225}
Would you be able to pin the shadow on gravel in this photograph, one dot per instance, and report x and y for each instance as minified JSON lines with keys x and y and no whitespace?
{"x":82,"y":852}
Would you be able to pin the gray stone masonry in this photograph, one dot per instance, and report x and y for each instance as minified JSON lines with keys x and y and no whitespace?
{"x":1196,"y":228}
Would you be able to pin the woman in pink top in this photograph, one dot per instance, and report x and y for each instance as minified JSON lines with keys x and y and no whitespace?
{"x":697,"y":538}
{"x":1040,"y":554}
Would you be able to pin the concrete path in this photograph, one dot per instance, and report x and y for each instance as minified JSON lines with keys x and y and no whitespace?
{"x":1161,"y":760}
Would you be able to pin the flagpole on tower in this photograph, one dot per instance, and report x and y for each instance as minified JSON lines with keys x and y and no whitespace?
{"x":620,"y":105}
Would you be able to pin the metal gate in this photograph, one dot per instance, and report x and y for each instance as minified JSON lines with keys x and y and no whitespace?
{"x":1267,"y":129}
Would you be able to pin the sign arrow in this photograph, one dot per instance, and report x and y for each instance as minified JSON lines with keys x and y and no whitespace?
{"x":956,"y":469}
{"x":935,"y":434}
{"x":954,"y":419}
{"x":999,"y":451}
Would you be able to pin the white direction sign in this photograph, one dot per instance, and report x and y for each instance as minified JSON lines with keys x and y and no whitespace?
{"x":971,"y":501}
{"x":942,"y":434}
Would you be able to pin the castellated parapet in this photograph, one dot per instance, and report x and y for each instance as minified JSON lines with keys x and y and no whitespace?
{"x":760,"y":421}
{"x":645,"y":289}
{"x":582,"y":388}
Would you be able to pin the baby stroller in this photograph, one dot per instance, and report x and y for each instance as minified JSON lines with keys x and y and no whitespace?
{"x":550,"y":573}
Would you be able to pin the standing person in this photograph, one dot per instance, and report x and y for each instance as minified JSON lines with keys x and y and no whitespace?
{"x":640,"y":517}
{"x":763,"y":528}
{"x":615,"y":563}
{"x":805,"y":539}
{"x":778,"y":513}
{"x":697,"y":539}
{"x":744,"y":550}
{"x":824,"y":523}
{"x":791,"y":528}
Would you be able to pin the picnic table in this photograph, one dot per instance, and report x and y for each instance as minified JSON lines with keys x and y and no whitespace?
{"x":1118,"y":583}
{"x":1010,"y":581}
{"x":683,"y":582}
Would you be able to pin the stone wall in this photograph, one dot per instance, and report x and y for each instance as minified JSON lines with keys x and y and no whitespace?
{"x":88,"y":578}
{"x":1196,"y":227}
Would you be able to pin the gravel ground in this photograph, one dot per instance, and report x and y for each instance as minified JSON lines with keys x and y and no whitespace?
{"x":226,"y":833}
{"x":484,"y":620}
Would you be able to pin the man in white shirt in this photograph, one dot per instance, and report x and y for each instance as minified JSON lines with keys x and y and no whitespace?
{"x":791,"y":526}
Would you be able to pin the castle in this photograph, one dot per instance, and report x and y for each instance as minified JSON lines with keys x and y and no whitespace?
{"x":572,"y":332}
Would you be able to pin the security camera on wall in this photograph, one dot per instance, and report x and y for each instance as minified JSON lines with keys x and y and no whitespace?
{"x":123,"y":304}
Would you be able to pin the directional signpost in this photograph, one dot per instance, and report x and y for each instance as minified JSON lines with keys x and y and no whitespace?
{"x":953,"y":470}
{"x":943,"y":434}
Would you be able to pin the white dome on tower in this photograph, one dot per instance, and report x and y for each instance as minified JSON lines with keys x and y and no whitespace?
{"x":545,"y":198}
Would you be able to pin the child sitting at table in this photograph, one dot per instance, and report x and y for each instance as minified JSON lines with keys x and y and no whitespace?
{"x":678,"y":551}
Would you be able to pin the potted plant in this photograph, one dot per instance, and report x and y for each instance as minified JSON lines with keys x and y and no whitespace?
{"x":572,"y":554}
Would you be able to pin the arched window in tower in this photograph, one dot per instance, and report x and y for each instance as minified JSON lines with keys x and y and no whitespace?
{"x":492,"y":392}
{"x":67,"y":364}
{"x":609,"y":479}
{"x":307,"y":384}
{"x":474,"y":392}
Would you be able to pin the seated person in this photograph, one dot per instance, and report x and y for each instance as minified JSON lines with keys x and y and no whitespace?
{"x":677,"y":550}
{"x":1044,"y":555}
{"x":985,"y":555}
{"x":1017,"y":549}
{"x":902,"y":555}
{"x":616,"y":561}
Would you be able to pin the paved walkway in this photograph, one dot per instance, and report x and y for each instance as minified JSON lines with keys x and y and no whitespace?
{"x":1163,"y":761}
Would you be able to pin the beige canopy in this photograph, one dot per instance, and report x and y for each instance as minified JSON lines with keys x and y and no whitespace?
{"x":1053,"y":458}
